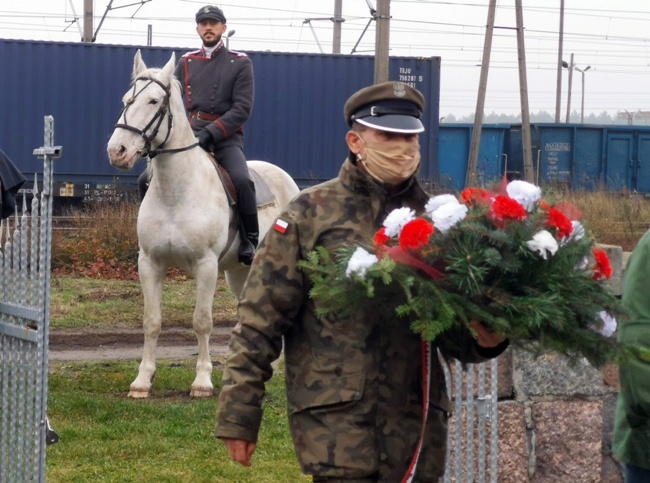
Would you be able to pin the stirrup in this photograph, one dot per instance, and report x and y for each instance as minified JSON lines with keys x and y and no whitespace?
{"x":246,"y":251}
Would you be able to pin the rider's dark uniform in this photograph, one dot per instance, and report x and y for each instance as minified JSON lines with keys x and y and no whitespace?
{"x":218,"y":93}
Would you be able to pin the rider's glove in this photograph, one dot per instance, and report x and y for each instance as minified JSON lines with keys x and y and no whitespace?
{"x":205,"y":139}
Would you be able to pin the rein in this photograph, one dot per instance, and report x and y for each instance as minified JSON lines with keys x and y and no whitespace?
{"x":159,"y":116}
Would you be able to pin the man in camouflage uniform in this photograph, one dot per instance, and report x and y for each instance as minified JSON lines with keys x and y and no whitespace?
{"x":354,"y":384}
{"x":218,"y":88}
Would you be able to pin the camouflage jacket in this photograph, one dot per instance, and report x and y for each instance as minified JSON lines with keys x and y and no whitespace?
{"x":354,"y":385}
{"x":223,"y":85}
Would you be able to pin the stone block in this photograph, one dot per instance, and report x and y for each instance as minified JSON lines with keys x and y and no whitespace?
{"x":513,"y":443}
{"x":567,"y":441}
{"x":610,"y":376}
{"x":551,"y":375}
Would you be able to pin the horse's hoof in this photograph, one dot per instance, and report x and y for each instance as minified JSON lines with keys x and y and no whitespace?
{"x":138,"y":393}
{"x":201,"y":392}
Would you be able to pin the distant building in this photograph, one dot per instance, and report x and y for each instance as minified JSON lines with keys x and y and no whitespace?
{"x":638,"y":117}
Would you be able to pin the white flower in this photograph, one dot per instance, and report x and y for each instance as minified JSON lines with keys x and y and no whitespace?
{"x":360,"y":262}
{"x":525,"y":193}
{"x":606,"y":326}
{"x":448,"y":215}
{"x":437,"y":201}
{"x":396,"y":220}
{"x":583,"y":264}
{"x":577,"y":233}
{"x":542,"y":243}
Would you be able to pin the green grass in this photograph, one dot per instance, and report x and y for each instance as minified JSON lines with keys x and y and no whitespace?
{"x":86,"y":303}
{"x":107,"y":437}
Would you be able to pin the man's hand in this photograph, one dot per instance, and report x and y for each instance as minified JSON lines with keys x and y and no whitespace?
{"x":484,"y":337}
{"x":205,"y":139}
{"x":240,"y":450}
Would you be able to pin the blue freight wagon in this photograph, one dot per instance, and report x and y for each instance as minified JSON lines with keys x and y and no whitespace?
{"x":454,"y":143}
{"x":588,"y":156}
{"x":578,"y":156}
{"x":297,"y":121}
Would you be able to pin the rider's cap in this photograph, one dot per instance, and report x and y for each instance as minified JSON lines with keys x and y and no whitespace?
{"x":389,"y":106}
{"x":210,"y":11}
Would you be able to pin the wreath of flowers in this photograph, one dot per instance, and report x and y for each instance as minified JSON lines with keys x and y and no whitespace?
{"x":524,"y":267}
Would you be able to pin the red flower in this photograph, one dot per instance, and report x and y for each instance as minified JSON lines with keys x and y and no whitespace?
{"x":471,"y":196}
{"x":415,"y":233}
{"x":603,"y":267}
{"x":504,"y":207}
{"x":557,"y":219}
{"x":380,"y":237}
{"x":571,"y":211}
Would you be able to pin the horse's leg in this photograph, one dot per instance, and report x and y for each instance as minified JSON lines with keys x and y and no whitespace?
{"x":206,"y":283}
{"x":151,"y":280}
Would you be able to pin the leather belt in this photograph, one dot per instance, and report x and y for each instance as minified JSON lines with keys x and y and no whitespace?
{"x":204,"y":116}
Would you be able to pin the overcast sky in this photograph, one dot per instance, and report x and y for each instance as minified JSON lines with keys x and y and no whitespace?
{"x":610,"y":36}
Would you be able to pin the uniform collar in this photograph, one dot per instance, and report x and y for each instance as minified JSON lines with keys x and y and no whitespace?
{"x":410,"y":194}
{"x":214,"y":52}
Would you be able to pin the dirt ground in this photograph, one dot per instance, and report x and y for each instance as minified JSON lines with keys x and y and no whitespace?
{"x":125,"y":344}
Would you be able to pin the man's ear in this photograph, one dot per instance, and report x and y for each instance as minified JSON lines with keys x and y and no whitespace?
{"x":354,"y":142}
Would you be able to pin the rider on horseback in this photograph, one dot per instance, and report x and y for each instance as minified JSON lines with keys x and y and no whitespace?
{"x":218,"y":90}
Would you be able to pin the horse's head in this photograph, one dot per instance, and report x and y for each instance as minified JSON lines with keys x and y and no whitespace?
{"x":145,"y":123}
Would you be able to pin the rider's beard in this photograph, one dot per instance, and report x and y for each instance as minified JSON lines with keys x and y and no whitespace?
{"x":212,"y":43}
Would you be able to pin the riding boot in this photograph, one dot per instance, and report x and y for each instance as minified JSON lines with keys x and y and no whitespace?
{"x":249,"y":232}
{"x":143,"y":184}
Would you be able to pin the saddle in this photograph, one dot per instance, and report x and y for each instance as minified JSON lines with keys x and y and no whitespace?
{"x":262,"y":192}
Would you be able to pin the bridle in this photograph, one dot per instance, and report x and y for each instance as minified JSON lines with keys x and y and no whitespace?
{"x":156,"y":121}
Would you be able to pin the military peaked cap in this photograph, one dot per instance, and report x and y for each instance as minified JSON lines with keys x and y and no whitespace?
{"x":210,"y":11}
{"x":389,"y":106}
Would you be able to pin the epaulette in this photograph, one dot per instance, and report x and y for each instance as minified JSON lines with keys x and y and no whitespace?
{"x":238,"y":54}
{"x":192,"y":52}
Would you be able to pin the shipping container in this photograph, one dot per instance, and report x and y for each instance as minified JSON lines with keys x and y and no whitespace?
{"x":587,"y":156}
{"x":576,"y":156}
{"x":297,"y":121}
{"x":454,"y":145}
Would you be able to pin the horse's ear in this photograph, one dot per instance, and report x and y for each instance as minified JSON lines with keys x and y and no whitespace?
{"x":168,"y":70}
{"x":138,"y":64}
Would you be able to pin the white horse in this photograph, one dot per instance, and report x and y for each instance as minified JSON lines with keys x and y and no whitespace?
{"x":185,"y":220}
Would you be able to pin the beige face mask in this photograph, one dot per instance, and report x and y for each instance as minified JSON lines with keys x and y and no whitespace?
{"x":391,"y":161}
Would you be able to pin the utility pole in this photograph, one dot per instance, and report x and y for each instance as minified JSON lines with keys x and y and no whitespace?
{"x":529,"y":171}
{"x":472,"y":162}
{"x":558,"y":88}
{"x":338,"y":20}
{"x":568,"y":101}
{"x":382,"y":41}
{"x":88,"y":22}
{"x":582,"y":103}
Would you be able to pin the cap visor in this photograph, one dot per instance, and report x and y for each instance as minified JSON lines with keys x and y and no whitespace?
{"x":393,"y":123}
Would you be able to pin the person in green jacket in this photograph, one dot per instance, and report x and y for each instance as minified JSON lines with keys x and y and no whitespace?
{"x":632,"y":424}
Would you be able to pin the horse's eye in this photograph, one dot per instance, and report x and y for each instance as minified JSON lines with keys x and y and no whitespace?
{"x":153,"y":101}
